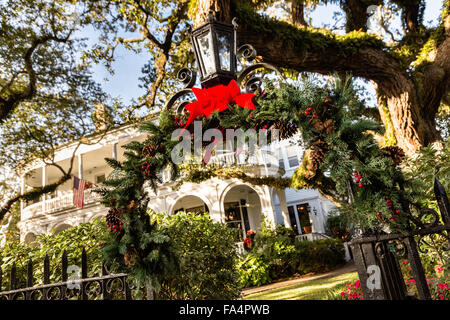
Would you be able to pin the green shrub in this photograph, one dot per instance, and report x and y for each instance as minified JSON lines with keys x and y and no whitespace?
{"x":207,"y":255}
{"x":253,"y":271}
{"x":319,"y":255}
{"x":73,"y":240}
{"x":276,"y":247}
{"x":277,"y":254}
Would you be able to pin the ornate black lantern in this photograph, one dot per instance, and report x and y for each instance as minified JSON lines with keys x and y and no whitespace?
{"x":214,"y":45}
{"x":217,"y":55}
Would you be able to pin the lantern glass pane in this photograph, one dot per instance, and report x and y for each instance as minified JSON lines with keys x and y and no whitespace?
{"x":224,"y":49}
{"x":207,"y":53}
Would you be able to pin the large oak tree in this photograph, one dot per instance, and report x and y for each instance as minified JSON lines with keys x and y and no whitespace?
{"x":47,"y":97}
{"x":410,"y":73}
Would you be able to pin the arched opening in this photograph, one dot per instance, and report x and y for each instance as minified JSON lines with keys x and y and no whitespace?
{"x":190,"y":204}
{"x":242,"y":208}
{"x":61,"y":227}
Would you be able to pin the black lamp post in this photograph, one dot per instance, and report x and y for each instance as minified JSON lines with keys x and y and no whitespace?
{"x":214,"y":45}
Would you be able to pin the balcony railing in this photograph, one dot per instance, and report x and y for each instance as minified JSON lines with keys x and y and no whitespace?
{"x":266,"y":162}
{"x":59,"y":203}
{"x":258,"y":158}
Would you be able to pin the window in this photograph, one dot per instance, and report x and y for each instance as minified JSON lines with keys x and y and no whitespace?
{"x":293,"y":161}
{"x":304,"y":217}
{"x":300,"y":213}
{"x":281,"y":163}
{"x":100,"y":179}
{"x":236,"y":217}
{"x":292,"y":156}
{"x":293,"y":219}
{"x":199,"y":210}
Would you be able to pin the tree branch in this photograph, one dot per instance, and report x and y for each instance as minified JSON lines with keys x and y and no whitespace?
{"x":7,"y":105}
{"x":297,"y":13}
{"x":412,"y":14}
{"x":437,"y":74}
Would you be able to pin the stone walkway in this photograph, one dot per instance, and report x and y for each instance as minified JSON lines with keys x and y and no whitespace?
{"x":349,"y":267}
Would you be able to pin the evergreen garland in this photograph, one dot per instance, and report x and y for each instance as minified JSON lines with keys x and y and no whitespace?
{"x":342,"y":160}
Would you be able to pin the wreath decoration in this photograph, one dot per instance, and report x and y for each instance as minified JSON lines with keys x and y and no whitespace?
{"x":341,"y":160}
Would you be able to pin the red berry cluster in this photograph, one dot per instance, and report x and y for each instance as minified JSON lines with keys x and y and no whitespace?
{"x":358,"y":178}
{"x":263,"y":128}
{"x":146,"y":169}
{"x":116,"y":228}
{"x":393,"y":213}
{"x":309,"y":114}
{"x":178,"y":122}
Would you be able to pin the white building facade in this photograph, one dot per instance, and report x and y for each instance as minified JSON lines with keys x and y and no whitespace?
{"x":241,"y":205}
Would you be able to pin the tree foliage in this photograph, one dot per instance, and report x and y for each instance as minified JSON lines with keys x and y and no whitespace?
{"x":47,"y":97}
{"x":86,"y":236}
{"x":408,"y":64}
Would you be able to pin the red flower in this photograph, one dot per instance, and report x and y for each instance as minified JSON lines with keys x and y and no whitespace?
{"x":248,"y":242}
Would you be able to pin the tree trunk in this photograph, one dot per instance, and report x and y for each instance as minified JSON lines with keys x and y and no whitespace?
{"x":412,"y":129}
{"x":297,"y":14}
{"x":220,"y":8}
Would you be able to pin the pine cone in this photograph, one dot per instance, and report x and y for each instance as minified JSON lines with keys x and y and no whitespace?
{"x":318,"y":150}
{"x":287,"y":129}
{"x":317,"y":124}
{"x":151,"y":150}
{"x":328,"y":126}
{"x":395,"y":153}
{"x":129,"y":258}
{"x":112,"y":218}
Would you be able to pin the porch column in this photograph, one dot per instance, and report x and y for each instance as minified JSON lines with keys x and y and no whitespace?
{"x":22,"y":191}
{"x":284,"y":210}
{"x":80,"y":166}
{"x":318,"y":217}
{"x":215,"y":212}
{"x":114,"y":151}
{"x":267,"y":207}
{"x":44,"y":183}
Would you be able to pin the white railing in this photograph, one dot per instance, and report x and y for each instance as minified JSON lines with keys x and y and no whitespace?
{"x":59,"y":203}
{"x":258,"y":158}
{"x":312,"y":236}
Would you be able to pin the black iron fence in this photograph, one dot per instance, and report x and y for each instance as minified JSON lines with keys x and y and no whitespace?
{"x":377,"y":257}
{"x":74,"y":283}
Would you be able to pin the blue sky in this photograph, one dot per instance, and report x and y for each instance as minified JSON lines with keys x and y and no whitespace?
{"x":125,"y":84}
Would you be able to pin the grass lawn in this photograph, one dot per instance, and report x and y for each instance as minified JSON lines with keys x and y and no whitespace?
{"x":321,"y":289}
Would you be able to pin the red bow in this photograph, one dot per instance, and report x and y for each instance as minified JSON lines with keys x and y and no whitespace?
{"x":217,"y":98}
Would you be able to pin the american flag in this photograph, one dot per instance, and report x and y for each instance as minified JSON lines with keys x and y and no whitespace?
{"x":78,"y":191}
